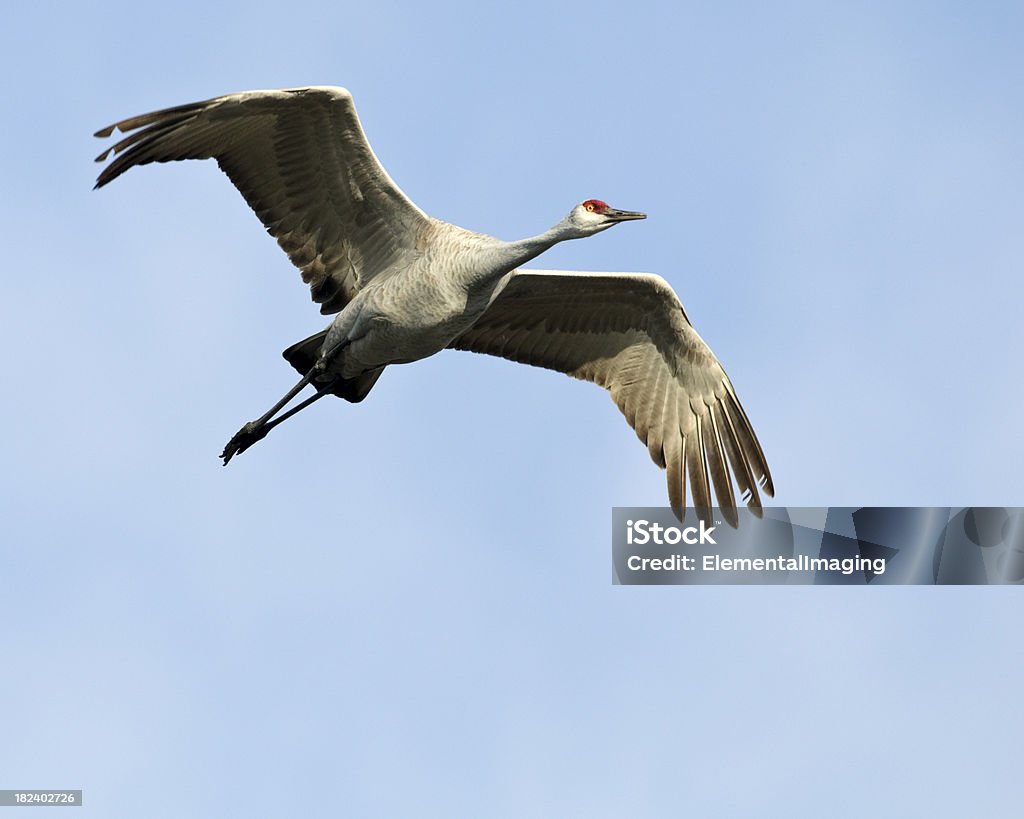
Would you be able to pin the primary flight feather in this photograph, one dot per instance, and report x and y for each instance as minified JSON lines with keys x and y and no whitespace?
{"x":405,"y":285}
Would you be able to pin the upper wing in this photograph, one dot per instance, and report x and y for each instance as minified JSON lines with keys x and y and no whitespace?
{"x":302,"y":162}
{"x":628,"y":333}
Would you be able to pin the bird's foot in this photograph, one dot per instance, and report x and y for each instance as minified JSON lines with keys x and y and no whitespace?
{"x":243,"y":439}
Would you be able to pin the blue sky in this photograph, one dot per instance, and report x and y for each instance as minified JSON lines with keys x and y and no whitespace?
{"x":404,"y":607}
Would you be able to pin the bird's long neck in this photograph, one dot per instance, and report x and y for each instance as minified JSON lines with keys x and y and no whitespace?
{"x":523,"y":250}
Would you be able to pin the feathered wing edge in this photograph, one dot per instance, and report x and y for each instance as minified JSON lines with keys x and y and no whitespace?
{"x":629,"y":334}
{"x":300,"y":159}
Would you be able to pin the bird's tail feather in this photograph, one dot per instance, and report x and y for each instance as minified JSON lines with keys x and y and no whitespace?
{"x":304,"y":354}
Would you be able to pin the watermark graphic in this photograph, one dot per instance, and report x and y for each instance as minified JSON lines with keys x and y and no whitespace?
{"x":876,"y":545}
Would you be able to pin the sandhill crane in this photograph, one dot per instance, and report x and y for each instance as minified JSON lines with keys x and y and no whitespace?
{"x":405,"y":285}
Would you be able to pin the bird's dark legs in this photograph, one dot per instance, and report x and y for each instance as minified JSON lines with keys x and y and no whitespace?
{"x":256,"y":430}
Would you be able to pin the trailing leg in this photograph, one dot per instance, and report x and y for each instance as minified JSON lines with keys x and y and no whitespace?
{"x":256,"y":430}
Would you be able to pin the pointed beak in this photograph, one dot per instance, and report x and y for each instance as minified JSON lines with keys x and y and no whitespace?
{"x":623,"y":215}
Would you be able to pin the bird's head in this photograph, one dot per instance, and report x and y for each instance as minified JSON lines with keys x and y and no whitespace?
{"x":593,"y":216}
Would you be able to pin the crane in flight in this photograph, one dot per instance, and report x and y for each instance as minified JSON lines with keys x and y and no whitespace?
{"x":405,"y":285}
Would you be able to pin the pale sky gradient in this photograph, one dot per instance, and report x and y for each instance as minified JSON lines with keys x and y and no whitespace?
{"x":404,"y":608}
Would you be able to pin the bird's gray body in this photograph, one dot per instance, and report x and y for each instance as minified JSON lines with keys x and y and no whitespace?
{"x":405,"y":286}
{"x":417,"y":310}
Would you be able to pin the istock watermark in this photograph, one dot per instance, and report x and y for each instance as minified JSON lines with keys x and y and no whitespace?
{"x":642,"y":532}
{"x":821,"y":545}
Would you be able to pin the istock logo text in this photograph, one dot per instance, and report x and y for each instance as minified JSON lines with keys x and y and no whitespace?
{"x":640,"y":532}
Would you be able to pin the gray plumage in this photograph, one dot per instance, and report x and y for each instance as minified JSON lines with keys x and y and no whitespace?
{"x":405,"y":285}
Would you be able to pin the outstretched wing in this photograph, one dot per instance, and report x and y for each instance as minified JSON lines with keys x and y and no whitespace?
{"x":302,"y":162}
{"x":628,"y":333}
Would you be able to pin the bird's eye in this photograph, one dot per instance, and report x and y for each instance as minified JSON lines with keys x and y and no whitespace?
{"x":590,"y":206}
